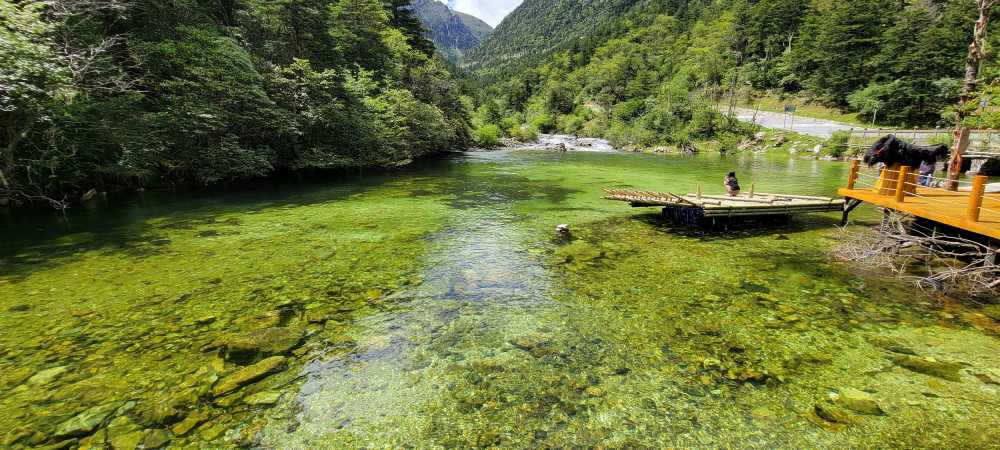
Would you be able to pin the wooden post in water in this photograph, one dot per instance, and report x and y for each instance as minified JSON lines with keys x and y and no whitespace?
{"x":853,"y":176}
{"x":976,"y":197}
{"x":752,"y":183}
{"x":901,"y":183}
{"x":699,"y":192}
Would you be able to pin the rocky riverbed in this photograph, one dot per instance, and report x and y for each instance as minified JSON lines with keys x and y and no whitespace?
{"x":436,"y":307}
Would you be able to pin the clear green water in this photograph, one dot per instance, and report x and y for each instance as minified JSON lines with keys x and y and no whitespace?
{"x":437,"y":309}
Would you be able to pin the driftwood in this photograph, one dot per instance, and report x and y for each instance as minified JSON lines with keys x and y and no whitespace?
{"x":927,"y":258}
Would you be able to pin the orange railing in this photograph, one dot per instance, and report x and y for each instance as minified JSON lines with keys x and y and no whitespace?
{"x":975,"y":198}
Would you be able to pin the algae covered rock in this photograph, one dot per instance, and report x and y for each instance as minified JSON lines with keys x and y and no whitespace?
{"x":248,"y":375}
{"x":86,"y":422}
{"x":47,"y":376}
{"x":829,"y":417}
{"x":858,"y":401}
{"x":248,"y":347}
{"x":192,"y":420}
{"x":156,"y":438}
{"x":891,"y":344}
{"x":263,"y":398}
{"x":929,"y":366}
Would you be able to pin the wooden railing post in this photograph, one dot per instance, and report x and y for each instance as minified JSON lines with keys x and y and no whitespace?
{"x":976,"y":197}
{"x":853,"y":176}
{"x":901,"y":183}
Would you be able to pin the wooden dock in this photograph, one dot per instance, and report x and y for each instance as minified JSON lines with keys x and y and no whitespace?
{"x":969,"y":209}
{"x":696,"y":206}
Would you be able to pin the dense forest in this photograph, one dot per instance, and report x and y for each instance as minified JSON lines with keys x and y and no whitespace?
{"x":107,"y":94}
{"x":104,"y":94}
{"x":648,"y":72}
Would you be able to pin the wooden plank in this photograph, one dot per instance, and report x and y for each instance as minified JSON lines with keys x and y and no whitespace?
{"x":800,"y":197}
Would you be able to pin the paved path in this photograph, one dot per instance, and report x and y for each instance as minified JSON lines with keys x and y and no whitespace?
{"x":805,"y":125}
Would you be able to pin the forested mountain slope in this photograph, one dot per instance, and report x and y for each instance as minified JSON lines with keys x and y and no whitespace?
{"x":645,"y":72}
{"x":452,"y":32}
{"x":539,"y":28}
{"x":114,"y":93}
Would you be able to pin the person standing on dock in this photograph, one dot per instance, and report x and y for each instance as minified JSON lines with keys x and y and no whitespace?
{"x":732,"y":184}
{"x":926,"y":173}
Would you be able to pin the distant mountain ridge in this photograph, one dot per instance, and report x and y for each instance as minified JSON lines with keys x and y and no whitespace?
{"x":453,"y":32}
{"x":538,"y":27}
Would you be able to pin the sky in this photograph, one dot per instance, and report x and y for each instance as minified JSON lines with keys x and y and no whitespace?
{"x":490,"y":11}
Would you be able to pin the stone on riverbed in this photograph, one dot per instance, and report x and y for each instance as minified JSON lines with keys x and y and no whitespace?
{"x":829,"y":417}
{"x":156,"y":438}
{"x":858,"y":401}
{"x":929,"y":366}
{"x":47,"y":376}
{"x":248,"y":375}
{"x":248,"y":347}
{"x":263,"y":398}
{"x":891,"y":344}
{"x":86,"y":422}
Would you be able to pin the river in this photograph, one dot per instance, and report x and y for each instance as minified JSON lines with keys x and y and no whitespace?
{"x":434,"y":307}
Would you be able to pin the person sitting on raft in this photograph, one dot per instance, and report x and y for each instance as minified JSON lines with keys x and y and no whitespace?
{"x":732,"y":185}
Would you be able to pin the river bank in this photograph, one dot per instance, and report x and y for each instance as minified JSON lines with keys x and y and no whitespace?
{"x":434,"y":306}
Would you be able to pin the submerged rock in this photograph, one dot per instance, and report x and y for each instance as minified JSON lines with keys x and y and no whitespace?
{"x":259,"y":343}
{"x":47,"y":376}
{"x":891,"y":344}
{"x":248,"y":375}
{"x":858,"y":401}
{"x":128,"y":441}
{"x":190,"y":422}
{"x":829,"y":417}
{"x":263,"y":398}
{"x":929,"y":366}
{"x":86,"y":422}
{"x":156,"y":438}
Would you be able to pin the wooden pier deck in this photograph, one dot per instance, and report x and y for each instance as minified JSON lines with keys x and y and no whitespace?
{"x":970,"y":209}
{"x":746,"y":204}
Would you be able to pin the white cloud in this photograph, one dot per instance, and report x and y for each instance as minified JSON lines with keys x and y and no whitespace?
{"x":491,"y":11}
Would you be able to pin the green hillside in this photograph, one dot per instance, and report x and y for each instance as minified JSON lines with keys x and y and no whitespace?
{"x":646,"y":72}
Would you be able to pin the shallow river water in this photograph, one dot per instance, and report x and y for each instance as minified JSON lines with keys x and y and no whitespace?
{"x":434,"y":307}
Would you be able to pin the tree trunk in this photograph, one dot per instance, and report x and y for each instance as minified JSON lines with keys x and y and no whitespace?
{"x":972,"y":59}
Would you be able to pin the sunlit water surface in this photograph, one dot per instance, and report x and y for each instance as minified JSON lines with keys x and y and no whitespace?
{"x":436,"y":307}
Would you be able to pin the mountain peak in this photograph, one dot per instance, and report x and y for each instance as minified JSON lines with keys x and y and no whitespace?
{"x":452,"y":32}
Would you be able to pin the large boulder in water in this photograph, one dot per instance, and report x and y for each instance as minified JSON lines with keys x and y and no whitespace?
{"x":249,"y":347}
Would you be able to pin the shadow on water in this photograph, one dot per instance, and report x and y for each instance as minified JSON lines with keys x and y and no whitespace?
{"x":740,"y":229}
{"x":134,"y":226}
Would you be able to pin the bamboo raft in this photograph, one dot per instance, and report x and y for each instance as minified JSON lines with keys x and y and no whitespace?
{"x":694,"y":206}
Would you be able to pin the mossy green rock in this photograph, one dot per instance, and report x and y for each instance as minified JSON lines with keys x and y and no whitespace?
{"x":259,"y":343}
{"x":248,"y":375}
{"x":263,"y":398}
{"x":127,"y":441}
{"x":156,"y":438}
{"x":858,"y":401}
{"x":86,"y":422}
{"x":47,"y":376}
{"x":930,"y":366}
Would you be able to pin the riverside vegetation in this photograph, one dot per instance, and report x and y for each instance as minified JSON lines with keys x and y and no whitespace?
{"x":435,"y":307}
{"x":648,"y":73}
{"x":112,"y":94}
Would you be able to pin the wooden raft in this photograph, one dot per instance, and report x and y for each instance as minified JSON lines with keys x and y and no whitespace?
{"x":758,"y":204}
